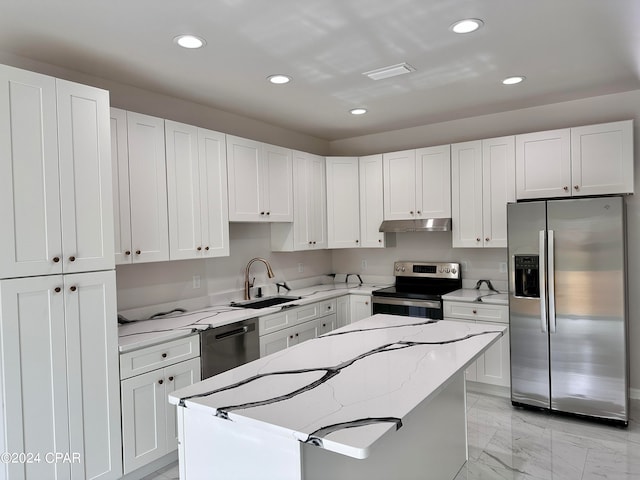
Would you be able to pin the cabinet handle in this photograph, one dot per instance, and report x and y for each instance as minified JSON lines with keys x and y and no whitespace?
{"x":486,"y":239}
{"x":128,"y":252}
{"x":324,"y":325}
{"x":296,"y":334}
{"x":310,"y":242}
{"x":72,"y":258}
{"x":314,"y":242}
{"x":171,"y":379}
{"x":475,"y":311}
{"x":261,"y":213}
{"x":73,"y":288}
{"x":366,"y":303}
{"x":576,"y":187}
{"x":419,"y":212}
{"x":411,"y":212}
{"x":357,"y":241}
{"x":57,"y":289}
{"x":328,"y":307}
{"x":56,"y":259}
{"x":565,"y":188}
{"x":206,"y":248}
{"x":268,"y":213}
{"x":138,"y":252}
{"x":199,"y":249}
{"x":290,"y":336}
{"x":379,"y":240}
{"x":478,"y":239}
{"x":164,"y":355}
{"x":160,"y":381}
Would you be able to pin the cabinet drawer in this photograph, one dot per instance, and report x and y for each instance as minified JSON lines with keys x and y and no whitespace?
{"x":157,"y":356}
{"x":327,"y":307}
{"x":474,"y":311}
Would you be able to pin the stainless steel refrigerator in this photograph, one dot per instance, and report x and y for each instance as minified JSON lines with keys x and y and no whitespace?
{"x":568,"y":306}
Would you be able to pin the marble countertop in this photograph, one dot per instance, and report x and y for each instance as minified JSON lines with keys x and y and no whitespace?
{"x":481,"y":296}
{"x":143,"y":333}
{"x":345,"y":390}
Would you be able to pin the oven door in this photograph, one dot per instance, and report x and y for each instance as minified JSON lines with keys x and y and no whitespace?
{"x":407,"y":307}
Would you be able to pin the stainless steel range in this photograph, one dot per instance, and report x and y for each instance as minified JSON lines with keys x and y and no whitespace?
{"x":418,"y":290}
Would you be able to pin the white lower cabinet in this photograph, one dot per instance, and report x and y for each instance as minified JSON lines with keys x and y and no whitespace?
{"x":343,"y":311}
{"x":149,"y":425}
{"x":493,"y":367}
{"x":59,"y":371}
{"x":285,"y":329}
{"x":360,"y":307}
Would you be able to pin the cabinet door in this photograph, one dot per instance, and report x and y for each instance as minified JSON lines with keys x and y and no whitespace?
{"x":602,"y":158}
{"x":493,"y":367}
{"x":93,"y":374}
{"x":433,"y":187}
{"x":244,"y":180}
{"x":301,"y":228}
{"x":148,"y":188}
{"x":466,"y":179}
{"x":399,"y":185}
{"x":343,"y":311}
{"x":276,"y":341}
{"x":144,"y":428}
{"x":278,"y":184}
{"x":543,"y":164}
{"x":343,"y":202}
{"x":178,"y":376}
{"x":307,"y":330}
{"x":371,"y":202}
{"x":31,"y":238}
{"x":360,"y":307}
{"x":34,"y":386}
{"x":85,"y":177}
{"x":183,"y":191}
{"x":213,"y":193}
{"x":498,"y":188}
{"x":317,"y":198}
{"x":327,"y":323}
{"x":120,"y":181}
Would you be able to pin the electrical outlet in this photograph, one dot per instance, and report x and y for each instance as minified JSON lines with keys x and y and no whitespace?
{"x":503,"y":267}
{"x":196,"y":281}
{"x":364,"y":265}
{"x":300,"y":268}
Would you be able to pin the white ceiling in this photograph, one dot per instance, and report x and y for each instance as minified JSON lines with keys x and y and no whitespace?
{"x":567,"y":49}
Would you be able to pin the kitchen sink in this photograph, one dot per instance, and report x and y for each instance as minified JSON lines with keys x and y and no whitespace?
{"x":264,"y":302}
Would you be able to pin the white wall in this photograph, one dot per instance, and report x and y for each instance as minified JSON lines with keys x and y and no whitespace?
{"x":605,"y":108}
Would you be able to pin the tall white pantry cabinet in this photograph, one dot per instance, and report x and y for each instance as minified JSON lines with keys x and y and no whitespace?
{"x":59,"y":382}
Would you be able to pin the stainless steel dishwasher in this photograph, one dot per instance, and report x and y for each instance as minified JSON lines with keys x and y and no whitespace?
{"x":224,"y":348}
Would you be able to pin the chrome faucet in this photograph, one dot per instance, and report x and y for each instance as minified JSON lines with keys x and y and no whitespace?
{"x":248,"y":284}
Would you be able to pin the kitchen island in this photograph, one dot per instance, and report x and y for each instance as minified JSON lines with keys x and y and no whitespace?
{"x":381,"y":398}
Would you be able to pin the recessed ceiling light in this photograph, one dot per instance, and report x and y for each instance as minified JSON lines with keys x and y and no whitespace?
{"x":513,"y":80}
{"x":190,"y":41}
{"x":467,"y":25}
{"x":279,"y":79}
{"x":358,"y":111}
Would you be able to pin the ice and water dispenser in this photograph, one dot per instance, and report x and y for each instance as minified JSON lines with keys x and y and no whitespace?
{"x":527,"y":276}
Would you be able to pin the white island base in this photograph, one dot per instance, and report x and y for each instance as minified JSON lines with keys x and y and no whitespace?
{"x":432,"y":444}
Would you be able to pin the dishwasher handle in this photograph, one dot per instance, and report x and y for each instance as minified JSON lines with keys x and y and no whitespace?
{"x":233,"y":333}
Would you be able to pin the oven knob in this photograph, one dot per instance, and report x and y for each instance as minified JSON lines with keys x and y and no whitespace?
{"x":403,"y":269}
{"x":454,"y":271}
{"x":446,"y":269}
{"x":397,"y":269}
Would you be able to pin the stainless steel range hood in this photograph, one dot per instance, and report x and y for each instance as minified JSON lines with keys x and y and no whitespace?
{"x":419,"y":225}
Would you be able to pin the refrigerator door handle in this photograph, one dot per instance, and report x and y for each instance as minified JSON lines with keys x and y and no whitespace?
{"x":542,"y":271}
{"x":551,"y":282}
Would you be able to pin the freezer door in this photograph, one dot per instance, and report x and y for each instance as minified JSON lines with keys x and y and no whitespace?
{"x":588,"y":347}
{"x":526,"y":224}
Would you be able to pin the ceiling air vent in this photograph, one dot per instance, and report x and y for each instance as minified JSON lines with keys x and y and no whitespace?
{"x":392,"y":71}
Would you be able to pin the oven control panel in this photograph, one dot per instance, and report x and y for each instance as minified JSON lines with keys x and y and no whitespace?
{"x":426,"y":269}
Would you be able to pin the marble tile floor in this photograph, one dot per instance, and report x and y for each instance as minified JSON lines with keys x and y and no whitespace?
{"x":507,"y":443}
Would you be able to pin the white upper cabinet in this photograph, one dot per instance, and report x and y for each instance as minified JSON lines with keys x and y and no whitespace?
{"x":589,"y":160}
{"x":371,"y":202}
{"x":417,"y":183}
{"x":309,"y":228}
{"x":260,"y":181}
{"x":602,"y":158}
{"x":483,"y":182}
{"x":55,"y":176}
{"x":354,"y":202}
{"x":343,"y":202}
{"x":142,"y":235}
{"x":196,"y":191}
